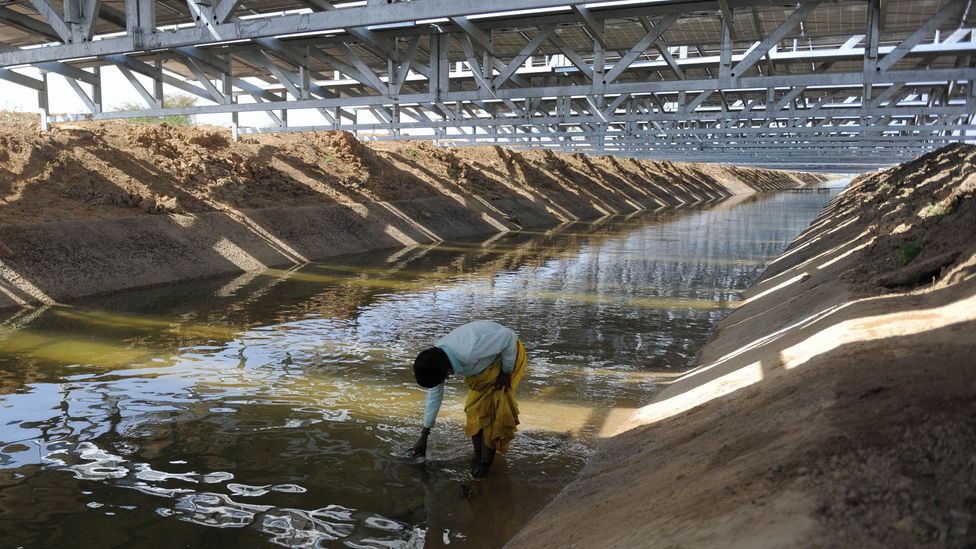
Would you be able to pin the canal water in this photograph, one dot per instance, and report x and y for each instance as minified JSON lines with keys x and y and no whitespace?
{"x":277,"y":407}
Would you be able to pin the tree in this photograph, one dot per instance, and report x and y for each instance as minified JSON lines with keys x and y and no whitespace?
{"x":169,"y":101}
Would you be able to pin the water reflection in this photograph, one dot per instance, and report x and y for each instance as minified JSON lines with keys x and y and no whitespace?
{"x":275,"y":406}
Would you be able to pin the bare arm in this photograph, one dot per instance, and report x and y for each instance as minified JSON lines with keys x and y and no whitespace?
{"x":431,"y":407}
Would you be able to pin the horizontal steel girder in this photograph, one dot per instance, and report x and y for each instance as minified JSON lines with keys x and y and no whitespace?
{"x":373,"y":14}
{"x":765,"y":95}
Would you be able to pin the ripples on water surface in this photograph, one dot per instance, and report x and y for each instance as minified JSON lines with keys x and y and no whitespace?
{"x":274,"y":407}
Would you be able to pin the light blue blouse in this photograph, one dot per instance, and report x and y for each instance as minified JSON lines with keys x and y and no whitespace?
{"x":472,"y":348}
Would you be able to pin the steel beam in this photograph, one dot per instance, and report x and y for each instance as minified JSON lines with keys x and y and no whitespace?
{"x":397,"y":61}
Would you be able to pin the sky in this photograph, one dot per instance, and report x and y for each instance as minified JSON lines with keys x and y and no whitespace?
{"x":116,"y":92}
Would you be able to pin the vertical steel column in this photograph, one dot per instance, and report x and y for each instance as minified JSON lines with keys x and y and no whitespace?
{"x":227,"y":79}
{"x":97,"y":90}
{"x":971,"y":101}
{"x":43,"y":102}
{"x":396,"y":120}
{"x":432,"y":85}
{"x":140,"y":19}
{"x":871,"y":48}
{"x":725,"y":56}
{"x":158,"y":84}
{"x":443,"y":66}
{"x":72,"y":12}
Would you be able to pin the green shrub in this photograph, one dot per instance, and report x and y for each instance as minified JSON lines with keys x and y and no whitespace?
{"x":169,"y":101}
{"x":908,"y":252}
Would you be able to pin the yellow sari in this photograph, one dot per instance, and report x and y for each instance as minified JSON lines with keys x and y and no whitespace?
{"x":492,"y":410}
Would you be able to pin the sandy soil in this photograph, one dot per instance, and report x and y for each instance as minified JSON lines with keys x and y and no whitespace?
{"x":114,"y":169}
{"x":99,"y":207}
{"x":835,"y":408}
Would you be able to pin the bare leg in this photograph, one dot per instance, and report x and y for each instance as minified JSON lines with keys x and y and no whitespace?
{"x":477,"y":441}
{"x":487,"y":458}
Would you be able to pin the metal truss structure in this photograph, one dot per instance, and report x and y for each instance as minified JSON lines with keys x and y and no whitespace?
{"x":816,"y":84}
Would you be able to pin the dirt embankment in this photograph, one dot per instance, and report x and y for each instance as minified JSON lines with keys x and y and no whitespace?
{"x":834,"y":408}
{"x":97,"y":207}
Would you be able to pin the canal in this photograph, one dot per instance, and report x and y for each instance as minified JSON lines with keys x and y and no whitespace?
{"x":277,"y":407}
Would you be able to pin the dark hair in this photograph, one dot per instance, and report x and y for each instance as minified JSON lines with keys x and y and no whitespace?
{"x":431,"y":367}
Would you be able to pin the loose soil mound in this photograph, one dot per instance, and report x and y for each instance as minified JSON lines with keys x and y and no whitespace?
{"x":114,"y":169}
{"x":834,"y":408}
{"x":925,"y":211}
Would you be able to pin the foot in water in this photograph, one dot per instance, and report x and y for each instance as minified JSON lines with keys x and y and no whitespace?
{"x":480,"y":470}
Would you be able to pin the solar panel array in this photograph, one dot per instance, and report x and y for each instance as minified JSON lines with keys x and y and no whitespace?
{"x":666,"y":87}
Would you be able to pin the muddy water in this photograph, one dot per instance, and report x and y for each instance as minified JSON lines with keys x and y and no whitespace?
{"x":276,"y":407}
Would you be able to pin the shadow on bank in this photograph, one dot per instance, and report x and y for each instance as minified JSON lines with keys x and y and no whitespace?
{"x":827,"y":409}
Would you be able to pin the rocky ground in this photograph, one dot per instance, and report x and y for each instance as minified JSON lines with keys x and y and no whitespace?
{"x":834,"y":408}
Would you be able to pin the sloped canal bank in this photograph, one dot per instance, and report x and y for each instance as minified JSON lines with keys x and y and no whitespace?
{"x":833,"y":408}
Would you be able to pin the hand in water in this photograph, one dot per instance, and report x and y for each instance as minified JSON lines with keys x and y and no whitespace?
{"x":420,"y":448}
